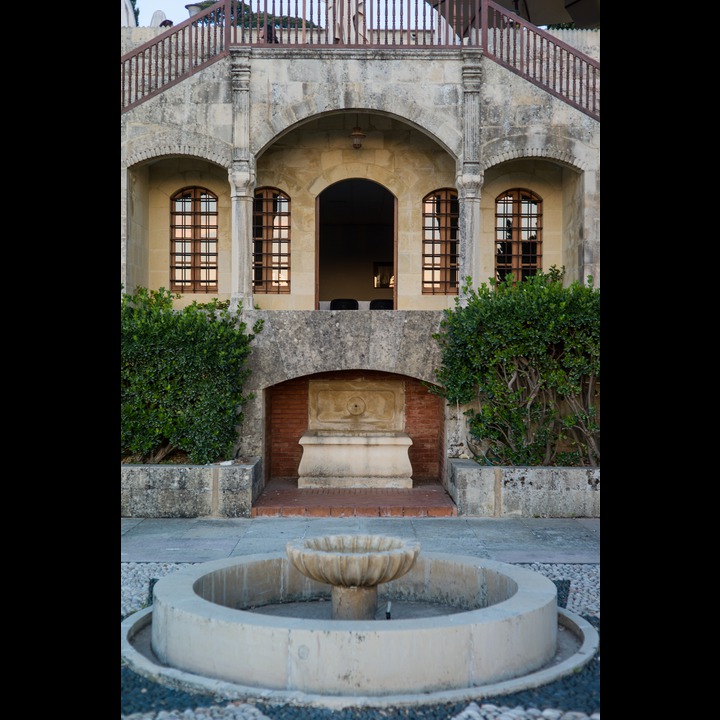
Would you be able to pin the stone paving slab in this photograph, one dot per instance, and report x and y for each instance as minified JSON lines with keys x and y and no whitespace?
{"x":521,"y":540}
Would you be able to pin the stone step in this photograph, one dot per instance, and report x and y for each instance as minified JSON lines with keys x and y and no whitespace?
{"x":282,"y":498}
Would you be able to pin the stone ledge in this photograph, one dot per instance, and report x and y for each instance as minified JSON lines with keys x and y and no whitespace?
{"x":482,"y":491}
{"x":187,"y":491}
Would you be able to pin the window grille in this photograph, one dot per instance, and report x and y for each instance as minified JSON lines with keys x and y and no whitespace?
{"x":271,"y":241}
{"x":441,"y":212}
{"x":193,"y":241}
{"x":518,"y":234}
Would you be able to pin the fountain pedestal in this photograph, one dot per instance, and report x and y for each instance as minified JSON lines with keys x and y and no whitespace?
{"x":354,"y":603}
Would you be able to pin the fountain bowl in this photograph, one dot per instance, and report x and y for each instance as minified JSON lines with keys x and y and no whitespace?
{"x":353,"y":560}
{"x":354,"y":565}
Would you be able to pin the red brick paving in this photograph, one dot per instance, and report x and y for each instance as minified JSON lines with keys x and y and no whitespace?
{"x":282,"y":498}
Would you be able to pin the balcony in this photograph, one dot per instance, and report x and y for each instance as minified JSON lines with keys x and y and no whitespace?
{"x":365,"y":26}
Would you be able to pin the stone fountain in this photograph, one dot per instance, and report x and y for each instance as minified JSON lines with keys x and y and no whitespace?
{"x":356,"y":436}
{"x":231,"y":627}
{"x":354,"y":565}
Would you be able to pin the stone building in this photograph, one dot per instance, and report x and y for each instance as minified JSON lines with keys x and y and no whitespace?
{"x":288,"y":177}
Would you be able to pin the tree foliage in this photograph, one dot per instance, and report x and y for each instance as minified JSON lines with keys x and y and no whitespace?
{"x":181,"y":377}
{"x":527,"y":356}
{"x":247,"y":18}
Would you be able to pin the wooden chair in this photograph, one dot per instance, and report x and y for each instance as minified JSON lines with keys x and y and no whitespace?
{"x":381,"y":304}
{"x":343,"y":304}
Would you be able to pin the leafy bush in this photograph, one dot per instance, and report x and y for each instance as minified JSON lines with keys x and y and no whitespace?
{"x":182,"y":374}
{"x":528,"y":356}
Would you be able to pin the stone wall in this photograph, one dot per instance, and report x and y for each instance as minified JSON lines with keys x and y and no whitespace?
{"x":295,"y":344}
{"x":186,"y":491}
{"x":481,"y":491}
{"x":475,"y":126}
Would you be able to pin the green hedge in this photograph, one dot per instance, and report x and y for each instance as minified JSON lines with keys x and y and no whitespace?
{"x":182,"y":375}
{"x":527,"y":357}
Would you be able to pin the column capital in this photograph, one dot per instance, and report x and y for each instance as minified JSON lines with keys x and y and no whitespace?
{"x":469,"y":183}
{"x":241,"y":175}
{"x":240,"y":70}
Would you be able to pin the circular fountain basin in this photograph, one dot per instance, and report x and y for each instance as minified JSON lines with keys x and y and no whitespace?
{"x":202,"y":627}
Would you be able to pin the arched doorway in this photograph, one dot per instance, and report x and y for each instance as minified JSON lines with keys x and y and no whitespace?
{"x":356,"y":243}
{"x":287,"y":420}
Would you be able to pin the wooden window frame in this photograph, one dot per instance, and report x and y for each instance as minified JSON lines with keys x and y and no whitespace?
{"x":518,"y":234}
{"x":271,"y":241}
{"x":194,"y":241}
{"x":441,"y":244}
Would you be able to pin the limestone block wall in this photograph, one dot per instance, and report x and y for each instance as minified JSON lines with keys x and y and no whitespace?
{"x":132,"y":37}
{"x":545,"y":129}
{"x":294,"y":344}
{"x":587,"y":41}
{"x":481,"y":491}
{"x":516,"y":132}
{"x":186,"y":491}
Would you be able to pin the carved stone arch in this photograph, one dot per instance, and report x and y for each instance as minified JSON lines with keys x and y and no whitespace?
{"x":396,"y":408}
{"x":287,"y":118}
{"x":375,"y":173}
{"x":311,"y":368}
{"x":175,"y":151}
{"x":386,"y":345}
{"x":271,"y":380}
{"x":202,"y":147}
{"x":576,"y":241}
{"x":525,"y":153}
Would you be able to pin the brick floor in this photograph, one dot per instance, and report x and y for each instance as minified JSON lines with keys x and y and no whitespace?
{"x":282,"y":498}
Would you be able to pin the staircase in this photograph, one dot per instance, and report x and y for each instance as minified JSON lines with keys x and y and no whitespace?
{"x":507,"y":39}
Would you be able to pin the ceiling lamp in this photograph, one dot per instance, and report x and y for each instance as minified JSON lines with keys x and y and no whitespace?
{"x":357,"y":135}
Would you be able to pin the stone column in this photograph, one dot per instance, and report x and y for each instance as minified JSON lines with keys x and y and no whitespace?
{"x":589,"y":240}
{"x":354,"y":603}
{"x":242,"y":181}
{"x":469,"y":175}
{"x":124,"y":202}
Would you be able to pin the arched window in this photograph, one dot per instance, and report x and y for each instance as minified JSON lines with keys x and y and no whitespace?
{"x":518,"y":234}
{"x":441,"y":212}
{"x":193,"y":241}
{"x":271,"y":241}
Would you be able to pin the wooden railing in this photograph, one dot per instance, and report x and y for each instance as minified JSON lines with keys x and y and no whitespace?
{"x":506,"y":38}
{"x":542,"y":59}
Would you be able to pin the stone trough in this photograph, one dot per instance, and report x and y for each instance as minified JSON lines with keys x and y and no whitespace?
{"x":498,"y":629}
{"x":356,"y":436}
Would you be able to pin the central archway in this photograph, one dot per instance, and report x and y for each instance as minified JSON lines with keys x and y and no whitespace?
{"x":356,"y":243}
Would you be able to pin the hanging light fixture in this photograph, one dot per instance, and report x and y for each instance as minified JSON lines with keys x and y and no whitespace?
{"x":357,"y":135}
